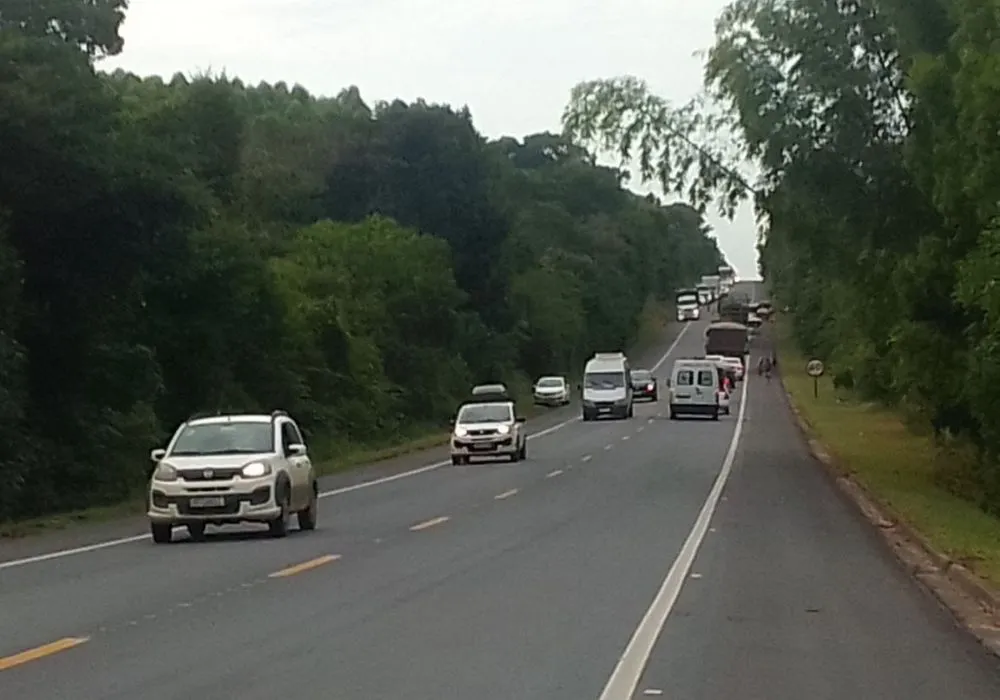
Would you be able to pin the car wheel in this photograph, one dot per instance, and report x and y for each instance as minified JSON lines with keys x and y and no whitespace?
{"x":715,"y":414}
{"x":196,"y":531}
{"x":162,"y":532}
{"x":307,"y":517}
{"x":279,"y":526}
{"x":524,"y":450}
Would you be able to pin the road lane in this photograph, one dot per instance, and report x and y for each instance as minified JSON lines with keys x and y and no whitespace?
{"x":114,"y":586}
{"x":533,"y":595}
{"x":796,"y":595}
{"x":87,"y":537}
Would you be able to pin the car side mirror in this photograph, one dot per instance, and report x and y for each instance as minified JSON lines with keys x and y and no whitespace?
{"x":296,"y":449}
{"x":157,"y":455}
{"x":521,"y":419}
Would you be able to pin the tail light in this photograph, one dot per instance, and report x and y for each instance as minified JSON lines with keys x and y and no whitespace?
{"x":650,"y":387}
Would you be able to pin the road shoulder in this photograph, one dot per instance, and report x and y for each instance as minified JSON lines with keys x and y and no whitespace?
{"x":836,"y":430}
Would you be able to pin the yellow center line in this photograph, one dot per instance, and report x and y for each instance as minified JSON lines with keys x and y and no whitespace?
{"x":41,"y":652}
{"x":305,"y":566}
{"x":430,"y":523}
{"x":505,"y":494}
{"x":551,"y":474}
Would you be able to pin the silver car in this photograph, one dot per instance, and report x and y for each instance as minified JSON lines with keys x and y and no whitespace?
{"x":551,"y":391}
{"x":488,"y":429}
{"x":220,"y":470}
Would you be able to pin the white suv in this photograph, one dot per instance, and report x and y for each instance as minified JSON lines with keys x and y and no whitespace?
{"x":219,"y":470}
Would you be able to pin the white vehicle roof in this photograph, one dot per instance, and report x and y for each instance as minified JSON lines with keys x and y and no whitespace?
{"x":605,"y":364}
{"x":248,"y":418}
{"x":695,"y":362}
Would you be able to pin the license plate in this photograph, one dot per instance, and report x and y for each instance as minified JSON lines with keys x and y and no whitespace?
{"x":481,"y":448}
{"x":605,"y":409}
{"x":208,"y":502}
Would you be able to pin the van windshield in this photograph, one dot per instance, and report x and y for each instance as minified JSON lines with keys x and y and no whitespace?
{"x":604,"y":380}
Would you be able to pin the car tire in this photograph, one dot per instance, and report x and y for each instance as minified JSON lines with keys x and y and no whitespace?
{"x":308,"y":516}
{"x":162,"y":533}
{"x":524,"y":450}
{"x":196,"y":531}
{"x":279,"y":526}
{"x":715,"y":414}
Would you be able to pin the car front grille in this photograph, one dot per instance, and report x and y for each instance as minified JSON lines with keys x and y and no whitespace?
{"x":210,"y":473}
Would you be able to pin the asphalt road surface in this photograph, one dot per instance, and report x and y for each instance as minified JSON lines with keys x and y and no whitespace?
{"x":689,"y":559}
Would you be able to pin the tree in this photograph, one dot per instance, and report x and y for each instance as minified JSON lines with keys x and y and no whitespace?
{"x":874,"y":123}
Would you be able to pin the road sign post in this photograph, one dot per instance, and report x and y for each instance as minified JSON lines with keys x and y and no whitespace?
{"x":814,"y":368}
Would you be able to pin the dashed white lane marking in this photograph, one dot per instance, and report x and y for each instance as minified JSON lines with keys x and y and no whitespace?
{"x":624,"y":679}
{"x":695,"y":575}
{"x":505,"y":494}
{"x":640,"y":429}
{"x":430,"y":523}
{"x":554,"y":472}
{"x":625,"y":437}
{"x":586,"y":458}
{"x":59,"y":554}
{"x":608,"y":447}
{"x":649,"y":420}
{"x":652,"y":691}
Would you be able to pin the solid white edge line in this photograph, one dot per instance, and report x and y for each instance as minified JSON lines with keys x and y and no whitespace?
{"x":324,"y":494}
{"x":628,"y":671}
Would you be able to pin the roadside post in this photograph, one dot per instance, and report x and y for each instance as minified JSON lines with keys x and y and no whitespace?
{"x":814,"y":368}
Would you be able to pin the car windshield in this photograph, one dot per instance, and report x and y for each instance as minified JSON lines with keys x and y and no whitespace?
{"x":641,"y":375}
{"x":604,"y":380}
{"x":489,"y":389}
{"x":550,"y":383}
{"x":486,"y":413}
{"x":235,"y":438}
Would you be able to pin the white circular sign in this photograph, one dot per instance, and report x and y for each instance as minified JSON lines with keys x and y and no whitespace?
{"x":814,"y":368}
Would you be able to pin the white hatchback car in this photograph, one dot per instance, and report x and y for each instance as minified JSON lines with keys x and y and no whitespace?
{"x":218,"y":470}
{"x":551,"y":391}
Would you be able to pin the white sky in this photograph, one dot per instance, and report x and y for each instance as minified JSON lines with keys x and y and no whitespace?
{"x":512,"y":63}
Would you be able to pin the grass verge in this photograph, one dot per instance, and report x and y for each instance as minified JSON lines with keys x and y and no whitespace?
{"x":897,"y":465}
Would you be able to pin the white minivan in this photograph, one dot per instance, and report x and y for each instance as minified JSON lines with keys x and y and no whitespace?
{"x":695,"y":385}
{"x":607,"y":386}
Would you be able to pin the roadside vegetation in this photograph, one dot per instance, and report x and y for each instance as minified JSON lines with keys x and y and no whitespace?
{"x":875,"y":125}
{"x":900,"y":463}
{"x":199,"y":244}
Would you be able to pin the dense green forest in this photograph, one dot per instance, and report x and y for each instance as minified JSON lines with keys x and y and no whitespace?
{"x":876,"y":126}
{"x":199,"y":243}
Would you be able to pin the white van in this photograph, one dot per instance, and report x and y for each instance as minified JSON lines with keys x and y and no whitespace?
{"x":694,"y":387}
{"x":607,"y":386}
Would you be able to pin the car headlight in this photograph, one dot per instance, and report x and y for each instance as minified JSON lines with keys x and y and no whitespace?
{"x":461,"y":432}
{"x":255,"y":470}
{"x":165,"y":472}
{"x":503,"y":429}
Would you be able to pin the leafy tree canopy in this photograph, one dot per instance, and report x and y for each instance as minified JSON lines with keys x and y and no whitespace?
{"x":876,"y":127}
{"x":172,"y":246}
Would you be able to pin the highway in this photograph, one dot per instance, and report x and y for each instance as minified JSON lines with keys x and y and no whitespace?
{"x":641,"y":558}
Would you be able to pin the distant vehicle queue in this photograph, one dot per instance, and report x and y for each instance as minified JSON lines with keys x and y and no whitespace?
{"x":226,"y":469}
